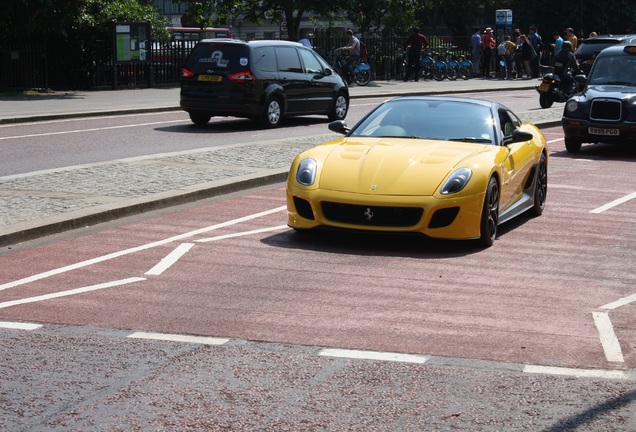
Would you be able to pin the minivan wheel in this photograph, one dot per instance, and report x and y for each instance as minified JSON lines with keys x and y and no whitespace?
{"x":340,"y":108}
{"x":199,"y":119}
{"x":273,"y":113}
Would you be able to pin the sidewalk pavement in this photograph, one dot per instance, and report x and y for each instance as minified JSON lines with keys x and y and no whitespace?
{"x":38,"y":204}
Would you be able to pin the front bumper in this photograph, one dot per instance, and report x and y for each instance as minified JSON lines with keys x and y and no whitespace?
{"x":456,"y":217}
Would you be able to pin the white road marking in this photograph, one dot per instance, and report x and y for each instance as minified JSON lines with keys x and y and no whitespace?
{"x":373,"y":355}
{"x":170,"y":259}
{"x":70,"y":292}
{"x":620,"y":302}
{"x":614,"y":203}
{"x":609,"y":341}
{"x":89,"y":130}
{"x":19,"y":325}
{"x":240,"y":234}
{"x":135,"y":249}
{"x":582,"y":373}
{"x":179,"y":338}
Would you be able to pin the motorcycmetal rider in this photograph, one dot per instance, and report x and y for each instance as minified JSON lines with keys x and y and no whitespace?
{"x":564,"y":63}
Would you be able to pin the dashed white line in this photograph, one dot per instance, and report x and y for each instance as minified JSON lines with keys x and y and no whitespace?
{"x":373,"y":355}
{"x":179,"y":338}
{"x":19,"y":325}
{"x":170,"y":259}
{"x":620,"y":302}
{"x":581,"y":373}
{"x":614,"y":203}
{"x":70,"y":292}
{"x":240,"y":234}
{"x":609,"y":341}
{"x":136,"y":249}
{"x":89,"y":130}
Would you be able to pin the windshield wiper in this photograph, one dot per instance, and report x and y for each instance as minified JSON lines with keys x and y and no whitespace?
{"x":471,"y":139}
{"x":619,"y":83}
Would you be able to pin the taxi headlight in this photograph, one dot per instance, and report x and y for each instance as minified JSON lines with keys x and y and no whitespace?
{"x":571,"y":105}
{"x":306,"y":174}
{"x":457,"y":181}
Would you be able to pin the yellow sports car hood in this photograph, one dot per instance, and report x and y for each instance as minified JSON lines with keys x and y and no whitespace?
{"x":392,"y":166}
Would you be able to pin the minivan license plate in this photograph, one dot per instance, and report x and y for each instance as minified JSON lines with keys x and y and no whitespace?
{"x":214,"y":78}
{"x":603,"y":131}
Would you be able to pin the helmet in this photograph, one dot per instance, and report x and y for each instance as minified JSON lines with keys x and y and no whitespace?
{"x":567,"y":45}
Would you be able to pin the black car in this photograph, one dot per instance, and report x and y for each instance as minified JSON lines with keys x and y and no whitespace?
{"x":605,"y":111}
{"x":260,"y":80}
{"x":589,"y":48}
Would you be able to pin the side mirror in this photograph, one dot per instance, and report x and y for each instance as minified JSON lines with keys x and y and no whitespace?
{"x":328,"y":72}
{"x":339,"y":126}
{"x":581,"y":79}
{"x":518,"y":136}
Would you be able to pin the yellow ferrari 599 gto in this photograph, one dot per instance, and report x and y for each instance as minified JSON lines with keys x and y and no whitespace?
{"x":445,"y":167}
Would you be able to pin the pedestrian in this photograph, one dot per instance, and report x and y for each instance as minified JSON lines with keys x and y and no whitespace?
{"x":505,"y":51}
{"x":353,"y":49}
{"x":475,"y":44}
{"x":414,"y":45}
{"x":537,"y":44}
{"x":488,"y":45}
{"x":569,"y":34}
{"x":527,"y":55}
{"x":558,"y":43}
{"x":304,"y":38}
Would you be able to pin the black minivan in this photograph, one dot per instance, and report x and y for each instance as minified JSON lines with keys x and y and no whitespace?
{"x":261,"y":80}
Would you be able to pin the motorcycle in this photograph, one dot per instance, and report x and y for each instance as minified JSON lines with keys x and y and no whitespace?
{"x":550,"y":89}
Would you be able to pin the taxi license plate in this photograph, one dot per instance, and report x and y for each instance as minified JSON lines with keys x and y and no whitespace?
{"x":603,"y":131}
{"x":544,"y":87}
{"x":213,"y":78}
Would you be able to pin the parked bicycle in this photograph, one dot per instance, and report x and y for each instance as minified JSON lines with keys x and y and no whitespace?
{"x":465,"y":67}
{"x":444,"y":66}
{"x":361,"y":69}
{"x":506,"y":70}
{"x":426,"y":66}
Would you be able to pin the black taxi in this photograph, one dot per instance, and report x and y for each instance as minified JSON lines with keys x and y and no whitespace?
{"x":605,"y":111}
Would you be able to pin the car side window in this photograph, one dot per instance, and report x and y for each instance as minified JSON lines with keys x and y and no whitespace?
{"x":264,"y":59}
{"x":288,"y":60}
{"x":312,"y":65}
{"x":506,"y":123}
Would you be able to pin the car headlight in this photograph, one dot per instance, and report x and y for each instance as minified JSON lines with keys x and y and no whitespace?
{"x":457,"y":181}
{"x":306,"y":174}
{"x":571,"y":105}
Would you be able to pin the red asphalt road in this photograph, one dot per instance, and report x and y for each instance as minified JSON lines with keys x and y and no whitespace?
{"x":530,"y":298}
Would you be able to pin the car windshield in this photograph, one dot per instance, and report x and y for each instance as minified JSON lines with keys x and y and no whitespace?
{"x":429,"y":119}
{"x":616,"y":70}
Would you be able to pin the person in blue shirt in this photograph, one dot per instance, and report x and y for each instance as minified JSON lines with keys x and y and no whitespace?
{"x":535,"y":40}
{"x":304,"y":40}
{"x":475,"y":44}
{"x":558,"y":43}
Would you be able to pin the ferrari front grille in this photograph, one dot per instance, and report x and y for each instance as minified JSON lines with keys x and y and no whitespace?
{"x":606,"y":109}
{"x":372,"y":215}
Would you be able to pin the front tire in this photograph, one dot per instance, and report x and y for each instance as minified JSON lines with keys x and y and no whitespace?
{"x":545,"y":101}
{"x":340,"y":108}
{"x":572,"y":145}
{"x":490,"y":214}
{"x":541,"y":187}
{"x":272,"y":114}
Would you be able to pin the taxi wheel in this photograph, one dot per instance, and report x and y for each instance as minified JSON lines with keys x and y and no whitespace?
{"x":572,"y":145}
